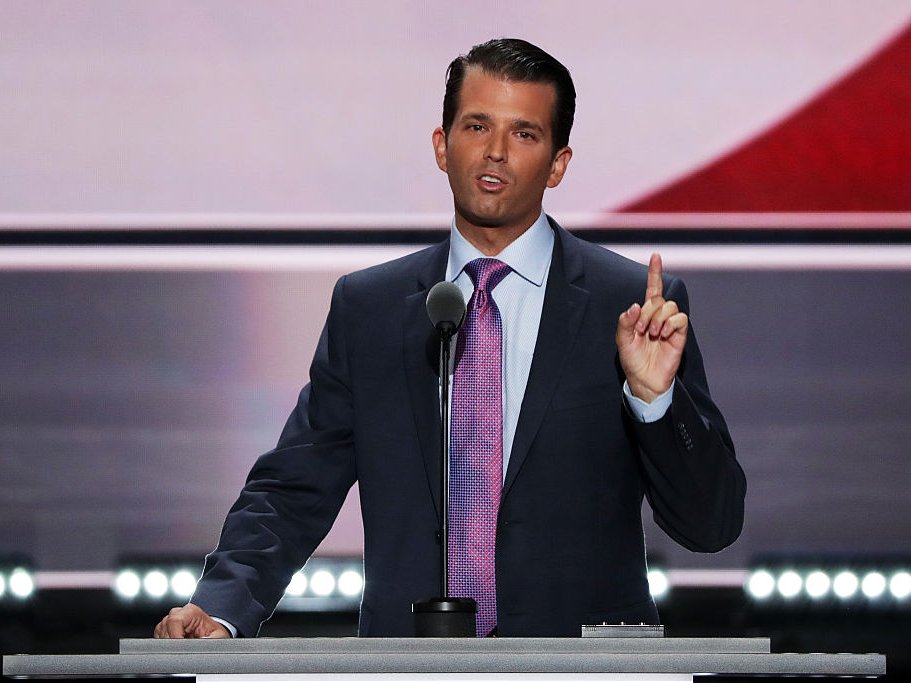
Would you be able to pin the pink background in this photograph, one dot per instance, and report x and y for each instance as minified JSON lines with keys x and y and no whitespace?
{"x":322,"y":112}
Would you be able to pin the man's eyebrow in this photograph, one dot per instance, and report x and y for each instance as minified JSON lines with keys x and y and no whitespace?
{"x":522,"y":123}
{"x":476,"y":116}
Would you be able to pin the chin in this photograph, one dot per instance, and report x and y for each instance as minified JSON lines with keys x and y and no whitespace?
{"x":483,"y":220}
{"x":488,"y":223}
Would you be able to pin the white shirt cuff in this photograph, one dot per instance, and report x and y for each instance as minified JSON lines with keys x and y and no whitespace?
{"x":649,"y":412}
{"x":231,"y":629}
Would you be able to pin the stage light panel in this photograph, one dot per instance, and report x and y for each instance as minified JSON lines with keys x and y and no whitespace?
{"x":830,"y":583}
{"x":145,"y":581}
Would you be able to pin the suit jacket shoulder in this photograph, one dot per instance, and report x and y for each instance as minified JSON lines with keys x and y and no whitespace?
{"x":606,"y":273}
{"x":401,"y":276}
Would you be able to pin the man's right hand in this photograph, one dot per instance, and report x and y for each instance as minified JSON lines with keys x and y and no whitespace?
{"x":189,"y":622}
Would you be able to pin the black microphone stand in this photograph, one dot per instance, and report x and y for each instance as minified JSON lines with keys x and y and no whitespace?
{"x":445,"y":616}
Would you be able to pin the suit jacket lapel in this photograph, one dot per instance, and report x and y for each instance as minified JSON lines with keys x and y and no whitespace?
{"x":564,"y":304}
{"x":421,"y":349}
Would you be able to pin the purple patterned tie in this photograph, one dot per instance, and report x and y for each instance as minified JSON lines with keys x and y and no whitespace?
{"x":476,"y":446}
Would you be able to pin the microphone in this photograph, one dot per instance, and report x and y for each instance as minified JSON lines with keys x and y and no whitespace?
{"x":446,"y":308}
{"x":445,"y":616}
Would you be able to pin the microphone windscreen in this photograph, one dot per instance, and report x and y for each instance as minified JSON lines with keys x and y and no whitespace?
{"x":445,"y":306}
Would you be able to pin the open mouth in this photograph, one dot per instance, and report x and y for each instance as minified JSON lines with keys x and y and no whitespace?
{"x":491,"y":182}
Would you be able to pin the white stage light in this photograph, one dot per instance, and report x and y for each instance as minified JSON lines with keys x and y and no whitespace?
{"x":817,"y":584}
{"x":155,"y":583}
{"x":845,"y":584}
{"x":127,"y":584}
{"x":658,"y":583}
{"x":322,"y":583}
{"x":789,"y":584}
{"x":2,"y":585}
{"x":350,"y":583}
{"x":183,"y":583}
{"x":21,"y":583}
{"x":900,"y":585}
{"x":297,"y":586}
{"x":873,"y":585}
{"x":761,"y":584}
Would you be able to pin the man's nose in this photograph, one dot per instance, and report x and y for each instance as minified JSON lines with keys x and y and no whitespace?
{"x":497,"y":147}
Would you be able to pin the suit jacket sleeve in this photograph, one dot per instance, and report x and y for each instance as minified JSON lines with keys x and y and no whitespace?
{"x":693,"y":482}
{"x":292,"y":494}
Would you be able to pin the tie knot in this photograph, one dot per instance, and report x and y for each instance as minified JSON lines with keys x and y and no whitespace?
{"x":486,"y":273}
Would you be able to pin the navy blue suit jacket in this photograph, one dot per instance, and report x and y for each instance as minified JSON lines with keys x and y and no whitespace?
{"x":570,"y":547}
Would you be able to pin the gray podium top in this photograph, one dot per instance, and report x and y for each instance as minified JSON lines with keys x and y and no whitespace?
{"x":729,"y":656}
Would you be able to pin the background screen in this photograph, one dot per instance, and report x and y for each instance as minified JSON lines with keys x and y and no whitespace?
{"x":320,"y":114}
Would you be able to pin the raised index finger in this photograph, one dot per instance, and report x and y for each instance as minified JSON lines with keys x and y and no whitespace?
{"x":653,"y":287}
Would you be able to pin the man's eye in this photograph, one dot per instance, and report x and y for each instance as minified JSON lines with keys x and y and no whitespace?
{"x":476,"y":127}
{"x":525,"y":135}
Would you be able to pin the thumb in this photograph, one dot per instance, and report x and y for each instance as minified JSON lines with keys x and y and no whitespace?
{"x":218,"y":632}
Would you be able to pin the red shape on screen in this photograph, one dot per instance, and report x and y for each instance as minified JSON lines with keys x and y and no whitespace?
{"x":849,"y":149}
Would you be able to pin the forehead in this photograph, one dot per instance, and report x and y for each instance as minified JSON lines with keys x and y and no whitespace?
{"x":501,"y":98}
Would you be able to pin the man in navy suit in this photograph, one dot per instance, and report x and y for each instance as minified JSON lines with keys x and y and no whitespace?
{"x":604,"y":395}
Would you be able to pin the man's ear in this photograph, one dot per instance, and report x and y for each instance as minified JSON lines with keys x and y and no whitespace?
{"x":439,"y":148}
{"x":558,"y":166}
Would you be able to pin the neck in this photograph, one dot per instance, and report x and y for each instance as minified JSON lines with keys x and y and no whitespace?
{"x":490,"y":241}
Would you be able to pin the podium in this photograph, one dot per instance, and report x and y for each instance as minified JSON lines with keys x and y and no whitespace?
{"x":465,"y":659}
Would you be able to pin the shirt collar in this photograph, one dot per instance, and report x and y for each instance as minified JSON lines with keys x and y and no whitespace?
{"x":528,"y":255}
